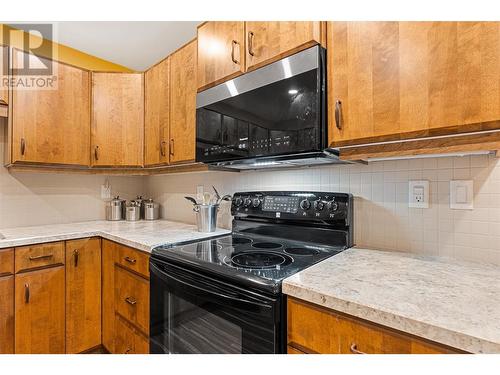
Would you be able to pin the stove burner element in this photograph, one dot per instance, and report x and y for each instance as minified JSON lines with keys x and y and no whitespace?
{"x":260,"y":259}
{"x":266,"y":245}
{"x":301,"y":251}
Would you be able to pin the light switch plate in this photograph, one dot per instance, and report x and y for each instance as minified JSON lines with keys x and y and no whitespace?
{"x":462,"y":194}
{"x":418,"y":194}
{"x":199,"y":193}
{"x":106,"y":191}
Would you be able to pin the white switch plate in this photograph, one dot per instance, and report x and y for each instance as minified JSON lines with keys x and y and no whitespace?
{"x":199,"y":193}
{"x":106,"y":191}
{"x":462,"y":194}
{"x":418,"y":194}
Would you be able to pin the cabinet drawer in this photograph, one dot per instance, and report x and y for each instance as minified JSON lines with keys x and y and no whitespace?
{"x":36,"y":256}
{"x":6,"y":262}
{"x":318,"y":330}
{"x":132,"y":298}
{"x":133,"y":260}
{"x":128,"y":340}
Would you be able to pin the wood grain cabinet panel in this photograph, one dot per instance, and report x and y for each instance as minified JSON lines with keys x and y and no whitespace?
{"x":6,"y":262}
{"x":52,"y":125}
{"x":109,"y":250}
{"x":183,"y":104}
{"x":83,"y":294}
{"x":398,"y":80}
{"x":313,"y":329}
{"x":117,"y":119}
{"x":4,"y":63}
{"x":39,"y":256}
{"x":133,"y":260}
{"x":270,"y":41}
{"x":221,"y":52}
{"x":128,"y":339}
{"x":157,"y":114}
{"x":7,"y":314}
{"x":40,"y":312}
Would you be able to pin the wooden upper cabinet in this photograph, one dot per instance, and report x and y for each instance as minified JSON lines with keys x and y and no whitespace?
{"x":183,"y":103}
{"x":397,"y":80}
{"x":270,"y":41}
{"x":4,"y":64}
{"x":40,"y":312}
{"x":221,"y":52}
{"x":52,"y":125}
{"x":157,"y":114}
{"x":117,"y":119}
{"x":83,"y":294}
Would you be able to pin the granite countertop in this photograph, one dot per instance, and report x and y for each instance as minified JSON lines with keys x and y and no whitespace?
{"x":450,"y":302}
{"x":141,"y":235}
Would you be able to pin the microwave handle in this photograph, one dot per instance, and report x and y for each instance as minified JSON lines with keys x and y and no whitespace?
{"x":163,"y":275}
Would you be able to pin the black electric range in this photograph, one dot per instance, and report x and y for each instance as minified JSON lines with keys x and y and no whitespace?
{"x":223,"y":295}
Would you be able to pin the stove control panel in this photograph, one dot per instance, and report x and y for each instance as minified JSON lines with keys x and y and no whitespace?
{"x":293,"y":205}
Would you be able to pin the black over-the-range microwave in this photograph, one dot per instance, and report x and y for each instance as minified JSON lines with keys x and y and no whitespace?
{"x":272,"y":116}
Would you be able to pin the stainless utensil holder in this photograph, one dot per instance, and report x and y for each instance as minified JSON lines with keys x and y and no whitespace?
{"x":206,"y":217}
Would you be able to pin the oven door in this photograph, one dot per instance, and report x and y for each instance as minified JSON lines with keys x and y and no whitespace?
{"x":193,"y":313}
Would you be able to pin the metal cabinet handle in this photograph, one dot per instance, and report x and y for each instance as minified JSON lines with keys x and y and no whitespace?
{"x":354,"y":349}
{"x":76,"y":255}
{"x":171,"y":151}
{"x":96,"y":152}
{"x":234,"y":43}
{"x":131,"y":300}
{"x":127,"y":351}
{"x":250,"y":43}
{"x":162,"y":148}
{"x":27,"y":293}
{"x":23,"y":146}
{"x":130,"y":260}
{"x":338,"y":114}
{"x":38,"y":257}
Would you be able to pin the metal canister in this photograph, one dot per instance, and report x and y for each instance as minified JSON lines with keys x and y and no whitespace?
{"x":151,"y":210}
{"x":206,"y":217}
{"x":133,"y":211}
{"x":115,"y":209}
{"x":140,"y":201}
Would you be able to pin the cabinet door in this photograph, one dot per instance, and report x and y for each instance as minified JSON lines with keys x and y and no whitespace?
{"x":40,"y":315}
{"x":83,"y":294}
{"x":117,"y":119}
{"x":52,"y":125}
{"x":157,"y":114}
{"x":397,"y":80}
{"x":109,"y":250}
{"x":183,"y":104}
{"x":221,"y":52}
{"x":7,"y":315}
{"x":4,"y":64}
{"x":270,"y":41}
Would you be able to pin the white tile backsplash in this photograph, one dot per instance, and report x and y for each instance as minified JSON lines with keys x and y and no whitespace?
{"x":382,"y":217}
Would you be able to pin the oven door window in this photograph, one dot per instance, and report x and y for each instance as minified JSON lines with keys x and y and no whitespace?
{"x":192,"y":314}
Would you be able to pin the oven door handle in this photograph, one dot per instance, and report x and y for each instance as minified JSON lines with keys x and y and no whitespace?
{"x":159,"y":272}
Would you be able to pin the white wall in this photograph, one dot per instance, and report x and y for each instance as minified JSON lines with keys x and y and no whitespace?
{"x":382,"y":217}
{"x":46,"y":198}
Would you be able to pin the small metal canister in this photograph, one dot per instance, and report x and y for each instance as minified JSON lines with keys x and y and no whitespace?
{"x":115,"y":209}
{"x":206,"y":217}
{"x":133,"y":211}
{"x":151,"y":210}
{"x":140,"y":202}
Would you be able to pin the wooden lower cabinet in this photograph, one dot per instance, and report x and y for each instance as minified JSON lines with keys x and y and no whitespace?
{"x":40,"y":311}
{"x":314,"y":329}
{"x":7,"y":315}
{"x":83,"y":294}
{"x":128,"y":339}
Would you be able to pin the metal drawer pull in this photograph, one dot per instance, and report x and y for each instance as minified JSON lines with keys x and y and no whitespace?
{"x":338,"y":114}
{"x":76,"y":254}
{"x":162,"y":148}
{"x":354,"y":349}
{"x":27,"y":293}
{"x":130,"y":260}
{"x":23,"y":146}
{"x":171,"y":151}
{"x":234,"y":43}
{"x":96,"y":152}
{"x":41,"y":257}
{"x":250,"y":43}
{"x":131,"y":300}
{"x":127,"y":351}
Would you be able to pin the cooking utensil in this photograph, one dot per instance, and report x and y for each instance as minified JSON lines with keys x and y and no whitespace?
{"x":192,"y":200}
{"x":226,"y":197}
{"x":206,"y":198}
{"x":216,"y":193}
{"x":115,"y":209}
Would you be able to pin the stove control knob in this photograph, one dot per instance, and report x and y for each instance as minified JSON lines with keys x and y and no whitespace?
{"x":238,"y":202}
{"x":256,"y":202}
{"x":305,"y":204}
{"x":247,"y":202}
{"x":319,"y":205}
{"x":333,"y":206}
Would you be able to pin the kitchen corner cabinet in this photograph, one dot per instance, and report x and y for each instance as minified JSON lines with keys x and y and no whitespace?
{"x":397,"y":80}
{"x":83,"y":294}
{"x":316,"y":330}
{"x":157,"y":114}
{"x":183,"y":104}
{"x":52,"y":126}
{"x":117,"y":126}
{"x":221,"y":52}
{"x":270,"y":41}
{"x":6,"y":301}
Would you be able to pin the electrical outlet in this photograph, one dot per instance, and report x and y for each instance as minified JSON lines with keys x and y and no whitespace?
{"x":418,"y":194}
{"x":106,"y":190}
{"x":199,"y":193}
